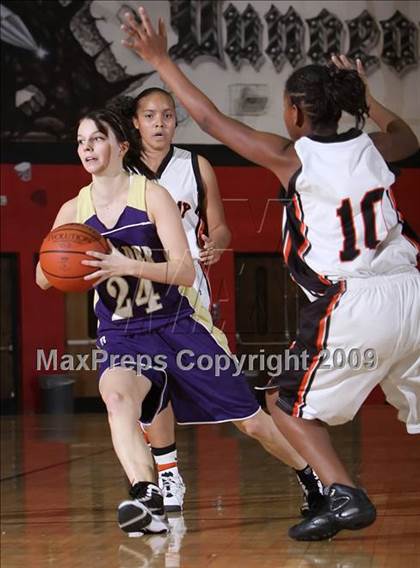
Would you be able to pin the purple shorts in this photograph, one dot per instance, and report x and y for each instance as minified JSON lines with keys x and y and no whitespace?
{"x":186,"y":364}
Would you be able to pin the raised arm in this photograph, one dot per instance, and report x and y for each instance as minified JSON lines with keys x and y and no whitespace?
{"x":265,"y":149}
{"x":219,"y":235}
{"x":66,"y":214}
{"x":396,"y":140}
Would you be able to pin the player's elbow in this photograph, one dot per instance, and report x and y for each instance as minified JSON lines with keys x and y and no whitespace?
{"x":413,"y":145}
{"x":403,"y":141}
{"x":40,"y":279}
{"x":188,"y":275}
{"x":43,"y":283}
{"x":186,"y":272}
{"x":208,"y":118}
{"x":228,"y":236}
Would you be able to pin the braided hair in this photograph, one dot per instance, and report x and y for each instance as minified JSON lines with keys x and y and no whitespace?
{"x":324,"y":91}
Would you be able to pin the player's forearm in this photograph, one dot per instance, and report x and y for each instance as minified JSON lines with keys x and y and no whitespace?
{"x":391,"y":123}
{"x":40,"y":278}
{"x":220,"y":236}
{"x":195,"y":101}
{"x":179,"y":272}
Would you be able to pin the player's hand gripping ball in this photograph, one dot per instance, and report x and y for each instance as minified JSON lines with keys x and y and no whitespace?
{"x":61,"y":254}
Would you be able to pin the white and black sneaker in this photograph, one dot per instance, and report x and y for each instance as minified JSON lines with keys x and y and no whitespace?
{"x":173,"y":489}
{"x":144,"y":513}
{"x":313,"y":491}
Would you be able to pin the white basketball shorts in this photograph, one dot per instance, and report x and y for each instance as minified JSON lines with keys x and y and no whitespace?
{"x":364,"y":333}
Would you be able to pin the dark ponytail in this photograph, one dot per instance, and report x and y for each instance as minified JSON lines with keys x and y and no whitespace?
{"x":125,"y":107}
{"x":323,"y":92}
{"x":349,"y":92}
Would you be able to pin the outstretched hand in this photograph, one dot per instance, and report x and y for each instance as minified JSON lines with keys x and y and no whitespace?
{"x":143,"y":39}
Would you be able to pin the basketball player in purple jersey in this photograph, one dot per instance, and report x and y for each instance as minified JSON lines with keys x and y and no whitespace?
{"x":192,"y":183}
{"x":144,"y":309}
{"x":345,"y":244}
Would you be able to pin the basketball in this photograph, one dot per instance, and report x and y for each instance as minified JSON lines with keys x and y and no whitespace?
{"x":61,"y":254}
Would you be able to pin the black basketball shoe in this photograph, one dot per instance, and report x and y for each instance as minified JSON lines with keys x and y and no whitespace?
{"x":345,"y":508}
{"x":312,"y":504}
{"x":313,"y":491}
{"x":144,"y":514}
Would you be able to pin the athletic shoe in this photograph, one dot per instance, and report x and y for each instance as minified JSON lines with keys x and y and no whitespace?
{"x":312,"y":504}
{"x":144,"y":513}
{"x":313,"y":493}
{"x":173,"y":489}
{"x":345,"y":508}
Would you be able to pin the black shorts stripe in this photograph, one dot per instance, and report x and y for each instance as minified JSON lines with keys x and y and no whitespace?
{"x":296,"y":245}
{"x":305,"y":353}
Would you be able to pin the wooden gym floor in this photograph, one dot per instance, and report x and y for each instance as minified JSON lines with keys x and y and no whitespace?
{"x":61,"y":484}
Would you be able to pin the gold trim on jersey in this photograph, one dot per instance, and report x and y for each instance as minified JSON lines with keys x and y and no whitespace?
{"x":137,"y":192}
{"x":203,"y":317}
{"x":85,"y":209}
{"x":136,"y":198}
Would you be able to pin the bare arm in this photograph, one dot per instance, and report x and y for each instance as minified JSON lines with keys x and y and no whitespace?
{"x":219,"y":235}
{"x":177,"y":270}
{"x":396,"y":140}
{"x":265,"y":149}
{"x":67,"y":214}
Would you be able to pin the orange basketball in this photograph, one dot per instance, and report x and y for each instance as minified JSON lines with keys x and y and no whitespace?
{"x":61,"y":254}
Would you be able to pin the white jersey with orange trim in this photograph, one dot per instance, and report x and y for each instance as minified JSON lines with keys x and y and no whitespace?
{"x":341,"y":221}
{"x":180,"y":175}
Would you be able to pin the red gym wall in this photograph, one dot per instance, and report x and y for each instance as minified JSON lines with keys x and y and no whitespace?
{"x":253,"y":214}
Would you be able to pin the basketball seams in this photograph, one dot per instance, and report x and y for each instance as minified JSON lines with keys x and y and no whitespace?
{"x":65,"y":277}
{"x":63,"y":249}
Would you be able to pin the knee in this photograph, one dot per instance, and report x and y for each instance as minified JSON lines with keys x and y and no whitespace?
{"x":115,"y":402}
{"x":251,"y":427}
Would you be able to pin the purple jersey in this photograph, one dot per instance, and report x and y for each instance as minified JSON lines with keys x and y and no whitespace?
{"x":127,"y":303}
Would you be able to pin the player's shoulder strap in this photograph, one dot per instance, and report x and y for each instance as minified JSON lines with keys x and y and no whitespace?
{"x":85,"y":209}
{"x":137,"y":192}
{"x":201,"y":193}
{"x":136,"y":198}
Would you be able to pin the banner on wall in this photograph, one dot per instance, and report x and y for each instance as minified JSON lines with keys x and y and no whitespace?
{"x":62,"y":58}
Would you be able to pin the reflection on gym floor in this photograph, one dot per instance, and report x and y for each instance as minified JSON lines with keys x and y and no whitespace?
{"x":61,"y":484}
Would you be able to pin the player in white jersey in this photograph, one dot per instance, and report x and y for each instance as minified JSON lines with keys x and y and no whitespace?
{"x":192,"y":183}
{"x":345,"y":244}
{"x":190,"y":180}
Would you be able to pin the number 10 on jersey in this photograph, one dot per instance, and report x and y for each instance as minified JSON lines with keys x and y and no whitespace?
{"x":345,"y":213}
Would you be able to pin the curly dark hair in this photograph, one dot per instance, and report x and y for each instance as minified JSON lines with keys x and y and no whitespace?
{"x":324,"y":91}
